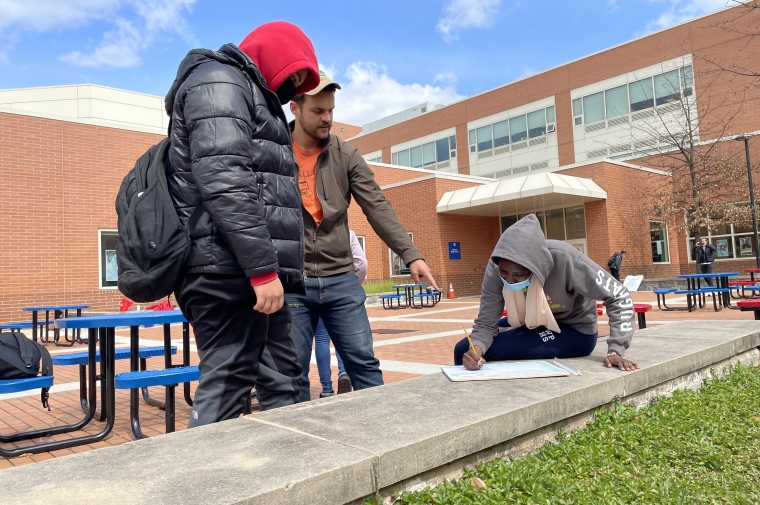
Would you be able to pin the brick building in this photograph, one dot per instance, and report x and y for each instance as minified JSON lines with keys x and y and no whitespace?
{"x":581,"y":145}
{"x":562,"y":143}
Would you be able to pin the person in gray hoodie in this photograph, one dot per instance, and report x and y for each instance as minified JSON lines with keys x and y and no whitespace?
{"x":550,"y":290}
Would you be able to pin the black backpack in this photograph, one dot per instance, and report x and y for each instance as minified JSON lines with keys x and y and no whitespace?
{"x":153,"y":246}
{"x":611,"y":261}
{"x":21,"y":358}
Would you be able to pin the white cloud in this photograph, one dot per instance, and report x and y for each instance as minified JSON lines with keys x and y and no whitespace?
{"x":137,"y":25}
{"x":42,"y":15}
{"x":369,"y":93}
{"x":683,"y":10}
{"x":121,"y":47}
{"x":464,"y":14}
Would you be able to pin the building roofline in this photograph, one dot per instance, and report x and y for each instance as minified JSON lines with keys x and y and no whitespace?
{"x":90,"y":122}
{"x":682,"y":23}
{"x":433,"y":174}
{"x":121,"y":90}
{"x":610,"y":161}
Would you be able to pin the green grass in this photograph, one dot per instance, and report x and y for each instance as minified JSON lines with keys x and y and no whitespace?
{"x":693,"y":447}
{"x":384,"y":286}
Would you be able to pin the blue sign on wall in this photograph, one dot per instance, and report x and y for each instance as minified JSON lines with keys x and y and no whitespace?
{"x":454,"y":252}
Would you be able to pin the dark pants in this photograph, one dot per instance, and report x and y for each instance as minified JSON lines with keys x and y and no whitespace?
{"x":615,"y":273}
{"x":538,"y":343}
{"x":339,"y":301}
{"x":707,"y":269}
{"x":239,"y":348}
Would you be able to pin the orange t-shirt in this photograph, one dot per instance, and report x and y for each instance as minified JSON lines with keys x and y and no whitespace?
{"x":307,"y":181}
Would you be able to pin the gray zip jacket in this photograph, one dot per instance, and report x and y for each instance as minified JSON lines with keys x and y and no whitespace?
{"x":572,"y":284}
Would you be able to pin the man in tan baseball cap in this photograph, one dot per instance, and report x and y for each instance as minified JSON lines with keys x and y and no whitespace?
{"x":330,"y":166}
{"x":324,"y":82}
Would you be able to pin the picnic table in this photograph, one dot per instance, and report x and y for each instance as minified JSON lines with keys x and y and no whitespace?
{"x":101,"y":333}
{"x":408,"y":291}
{"x":58,"y":312}
{"x":695,"y":294}
{"x":106,"y":325}
{"x":752,"y":272}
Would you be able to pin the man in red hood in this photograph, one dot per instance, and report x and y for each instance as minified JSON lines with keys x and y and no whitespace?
{"x":232,"y":177}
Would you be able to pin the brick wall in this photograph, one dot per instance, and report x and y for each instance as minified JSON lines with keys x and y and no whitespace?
{"x":415,"y":205}
{"x":59,"y":182}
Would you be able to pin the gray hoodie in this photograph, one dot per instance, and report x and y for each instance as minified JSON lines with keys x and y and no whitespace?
{"x":572,"y":284}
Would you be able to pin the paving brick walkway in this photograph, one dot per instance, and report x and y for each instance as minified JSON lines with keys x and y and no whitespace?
{"x":408,"y":342}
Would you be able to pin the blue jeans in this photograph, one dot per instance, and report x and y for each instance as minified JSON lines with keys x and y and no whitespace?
{"x":339,"y":301}
{"x":322,"y":352}
{"x":538,"y":343}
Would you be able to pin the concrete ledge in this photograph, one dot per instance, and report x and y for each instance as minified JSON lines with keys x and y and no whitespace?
{"x":341,"y":449}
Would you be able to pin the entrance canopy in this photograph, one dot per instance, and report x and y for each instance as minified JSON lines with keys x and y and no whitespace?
{"x":521,"y":194}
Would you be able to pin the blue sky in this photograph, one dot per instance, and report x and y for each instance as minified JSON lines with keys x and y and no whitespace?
{"x":389,"y":54}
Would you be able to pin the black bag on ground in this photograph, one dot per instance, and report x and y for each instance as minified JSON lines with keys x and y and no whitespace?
{"x":153,"y":246}
{"x":21,"y":358}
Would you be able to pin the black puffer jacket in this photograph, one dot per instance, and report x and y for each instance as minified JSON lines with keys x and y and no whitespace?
{"x":231,"y":152}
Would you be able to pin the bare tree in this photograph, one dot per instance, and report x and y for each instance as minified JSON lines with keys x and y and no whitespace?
{"x":743,"y":21}
{"x":708,"y":182}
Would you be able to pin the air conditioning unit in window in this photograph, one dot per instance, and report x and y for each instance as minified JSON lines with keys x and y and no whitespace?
{"x":550,"y":128}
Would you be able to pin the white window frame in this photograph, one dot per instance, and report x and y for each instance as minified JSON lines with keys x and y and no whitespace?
{"x":712,"y":239}
{"x":663,"y":225}
{"x":100,"y":263}
{"x":390,"y":259}
{"x":473,"y":148}
{"x":360,"y":239}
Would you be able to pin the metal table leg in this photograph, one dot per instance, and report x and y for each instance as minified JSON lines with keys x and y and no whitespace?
{"x":34,"y":325}
{"x":186,"y":359}
{"x":107,"y":355}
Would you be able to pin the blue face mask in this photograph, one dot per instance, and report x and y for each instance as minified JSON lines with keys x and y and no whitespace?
{"x":517,"y":286}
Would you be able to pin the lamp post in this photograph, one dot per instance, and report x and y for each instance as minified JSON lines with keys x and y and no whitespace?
{"x":745,"y":139}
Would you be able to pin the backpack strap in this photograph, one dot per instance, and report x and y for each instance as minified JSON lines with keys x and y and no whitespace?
{"x":46,"y":368}
{"x":25,"y":348}
{"x":195,"y":217}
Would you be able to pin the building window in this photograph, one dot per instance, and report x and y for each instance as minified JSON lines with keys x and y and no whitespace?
{"x":578,"y":111}
{"x":635,"y":96}
{"x":658,"y":236}
{"x":731,"y":241}
{"x":616,"y":101}
{"x":593,"y":108}
{"x":379,"y":159}
{"x":501,"y":133}
{"x":515,"y":129}
{"x":485,"y":140}
{"x":398,"y":268}
{"x":558,"y":224}
{"x":427,"y":155}
{"x":575,"y":222}
{"x":642,"y":94}
{"x":537,"y":123}
{"x":518,"y":128}
{"x":360,"y":238}
{"x":667,"y":87}
{"x":109,"y":270}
